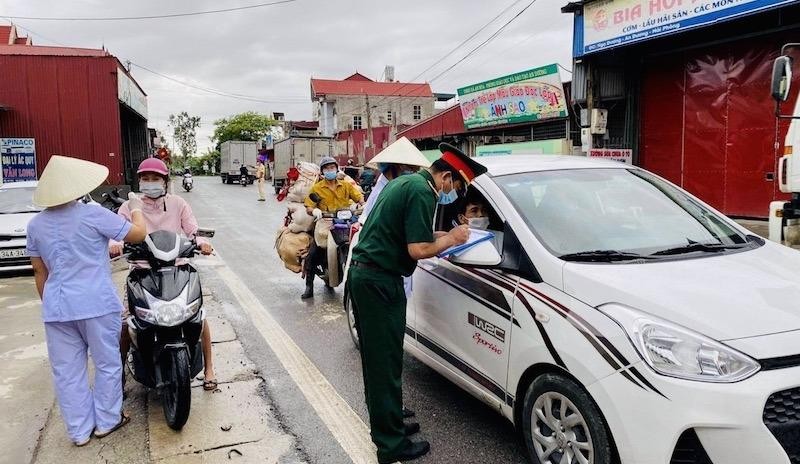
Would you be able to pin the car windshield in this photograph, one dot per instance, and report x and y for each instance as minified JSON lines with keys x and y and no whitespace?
{"x":615,"y":212}
{"x":17,"y":200}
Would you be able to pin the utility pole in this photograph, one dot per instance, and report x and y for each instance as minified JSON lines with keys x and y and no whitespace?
{"x":369,"y":131}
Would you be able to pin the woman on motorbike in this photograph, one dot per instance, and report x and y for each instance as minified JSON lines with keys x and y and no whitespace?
{"x":164,"y":211}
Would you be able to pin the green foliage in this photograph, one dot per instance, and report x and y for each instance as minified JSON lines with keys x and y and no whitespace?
{"x":211,"y":157}
{"x":249,"y":126}
{"x":184,"y":132}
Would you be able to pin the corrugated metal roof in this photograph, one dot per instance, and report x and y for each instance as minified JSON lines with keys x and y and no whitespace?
{"x":5,"y":35}
{"x":321,"y":87}
{"x":21,"y":41}
{"x":448,"y":122}
{"x":50,"y":51}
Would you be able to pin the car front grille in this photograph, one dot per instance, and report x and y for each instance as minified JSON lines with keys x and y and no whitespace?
{"x":782,"y":418}
{"x":689,"y":450}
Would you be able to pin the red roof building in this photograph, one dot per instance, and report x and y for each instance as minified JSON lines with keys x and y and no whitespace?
{"x":358,"y":102}
{"x":76,"y":102}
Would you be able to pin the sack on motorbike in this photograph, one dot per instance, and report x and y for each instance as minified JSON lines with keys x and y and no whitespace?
{"x":309,"y":171}
{"x":301,"y":220}
{"x":299,"y":190}
{"x":291,"y":246}
{"x":321,"y":231}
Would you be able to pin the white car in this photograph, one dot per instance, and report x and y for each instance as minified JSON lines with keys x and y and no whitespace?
{"x":16,"y":211}
{"x":620,"y":320}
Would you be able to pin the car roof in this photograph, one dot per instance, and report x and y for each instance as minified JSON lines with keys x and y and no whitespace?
{"x":514,"y":164}
{"x":27,"y":183}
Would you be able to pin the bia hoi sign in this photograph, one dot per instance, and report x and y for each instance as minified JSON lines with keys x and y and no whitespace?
{"x":526,"y":96}
{"x":611,"y":23}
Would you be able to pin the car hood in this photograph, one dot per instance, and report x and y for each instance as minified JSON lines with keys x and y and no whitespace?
{"x":744,"y":294}
{"x":15,"y":224}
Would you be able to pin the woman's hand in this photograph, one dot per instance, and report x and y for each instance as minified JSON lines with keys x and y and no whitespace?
{"x":115,"y":250}
{"x":206,"y":248}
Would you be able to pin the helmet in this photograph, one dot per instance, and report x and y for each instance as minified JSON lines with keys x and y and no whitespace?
{"x":153,"y":165}
{"x":326,"y":161}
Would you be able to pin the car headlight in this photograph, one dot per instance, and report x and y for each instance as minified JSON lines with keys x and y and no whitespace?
{"x":676,"y":351}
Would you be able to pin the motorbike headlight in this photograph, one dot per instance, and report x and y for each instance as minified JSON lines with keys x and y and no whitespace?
{"x":168,"y":313}
{"x":676,"y":351}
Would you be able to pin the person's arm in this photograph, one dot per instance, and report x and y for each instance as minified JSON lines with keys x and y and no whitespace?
{"x":189,"y":227}
{"x":309,"y":203}
{"x":422,"y":250}
{"x":355,"y":195}
{"x":115,"y":246}
{"x":40,"y":274}
{"x":138,"y":230}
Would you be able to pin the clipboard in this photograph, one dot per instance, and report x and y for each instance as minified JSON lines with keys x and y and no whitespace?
{"x":476,"y":236}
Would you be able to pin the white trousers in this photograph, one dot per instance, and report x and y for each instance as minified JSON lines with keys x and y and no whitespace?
{"x":85,"y":409}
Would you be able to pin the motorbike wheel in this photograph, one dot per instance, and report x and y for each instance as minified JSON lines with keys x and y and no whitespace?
{"x":177,"y":395}
{"x":351,"y":319}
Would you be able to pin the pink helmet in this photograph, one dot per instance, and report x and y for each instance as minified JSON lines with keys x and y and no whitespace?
{"x":153,"y":165}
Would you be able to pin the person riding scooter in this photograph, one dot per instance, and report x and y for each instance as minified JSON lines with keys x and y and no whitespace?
{"x":334,"y":194}
{"x":245,"y":174}
{"x":164,"y":211}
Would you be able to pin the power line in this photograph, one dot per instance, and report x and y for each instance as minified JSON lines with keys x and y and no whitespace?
{"x":164,"y":16}
{"x":463,"y":42}
{"x":210,"y":90}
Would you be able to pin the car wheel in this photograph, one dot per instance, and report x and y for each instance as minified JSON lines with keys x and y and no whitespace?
{"x":562,"y":424}
{"x":351,"y":319}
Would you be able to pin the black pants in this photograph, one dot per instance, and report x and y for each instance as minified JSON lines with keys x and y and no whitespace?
{"x":312,"y":261}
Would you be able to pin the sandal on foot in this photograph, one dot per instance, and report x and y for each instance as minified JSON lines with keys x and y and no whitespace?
{"x":209,"y":385}
{"x":123,"y":421}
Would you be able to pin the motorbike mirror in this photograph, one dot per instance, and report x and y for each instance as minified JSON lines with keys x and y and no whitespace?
{"x":205,"y":232}
{"x":315,"y":197}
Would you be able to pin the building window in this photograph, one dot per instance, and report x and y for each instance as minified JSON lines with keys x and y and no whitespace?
{"x":389,"y":115}
{"x":356,"y":122}
{"x":417,"y":112}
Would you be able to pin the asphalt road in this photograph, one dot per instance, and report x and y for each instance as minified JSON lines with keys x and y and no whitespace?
{"x":460,"y":428}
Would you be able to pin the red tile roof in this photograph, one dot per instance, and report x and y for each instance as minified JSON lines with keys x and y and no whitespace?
{"x":5,"y":34}
{"x":51,"y":51}
{"x":321,"y":87}
{"x":447,"y":122}
{"x":358,"y":77}
{"x":21,"y":41}
{"x":304,"y":124}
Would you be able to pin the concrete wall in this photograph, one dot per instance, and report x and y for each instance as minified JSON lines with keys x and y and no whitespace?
{"x":345,"y":107}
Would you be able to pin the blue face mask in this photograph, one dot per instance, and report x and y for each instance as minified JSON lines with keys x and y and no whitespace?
{"x":449,"y":197}
{"x":330,"y":175}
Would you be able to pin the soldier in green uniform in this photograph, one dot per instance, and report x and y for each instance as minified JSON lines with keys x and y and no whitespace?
{"x":398,"y":232}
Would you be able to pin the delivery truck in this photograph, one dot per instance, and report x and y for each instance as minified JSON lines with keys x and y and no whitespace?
{"x":293,"y":150}
{"x":233,"y":154}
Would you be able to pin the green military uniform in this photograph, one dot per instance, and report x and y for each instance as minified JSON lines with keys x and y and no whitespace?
{"x":403,"y":214}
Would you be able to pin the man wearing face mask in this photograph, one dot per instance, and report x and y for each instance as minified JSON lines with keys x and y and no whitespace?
{"x":334,"y":194}
{"x":474,"y":211}
{"x":164,"y":211}
{"x":398,"y":233}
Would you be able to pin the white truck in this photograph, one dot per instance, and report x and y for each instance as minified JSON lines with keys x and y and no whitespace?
{"x":235,"y":153}
{"x":289,"y":152}
{"x":784,"y":216}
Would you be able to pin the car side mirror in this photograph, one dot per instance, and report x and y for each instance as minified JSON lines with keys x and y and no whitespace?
{"x":205,"y":232}
{"x":483,"y":254}
{"x":781,"y":78}
{"x":515,"y":259}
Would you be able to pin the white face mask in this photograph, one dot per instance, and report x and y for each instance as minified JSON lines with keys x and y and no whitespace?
{"x":481,"y":223}
{"x":152,"y":189}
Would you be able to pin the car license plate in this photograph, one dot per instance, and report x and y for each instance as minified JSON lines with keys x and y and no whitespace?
{"x":14,"y":253}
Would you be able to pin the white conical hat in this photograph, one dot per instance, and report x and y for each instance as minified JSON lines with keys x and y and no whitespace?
{"x":66,"y":179}
{"x":401,"y":151}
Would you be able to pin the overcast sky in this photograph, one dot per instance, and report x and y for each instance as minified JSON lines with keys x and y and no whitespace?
{"x":270,"y":53}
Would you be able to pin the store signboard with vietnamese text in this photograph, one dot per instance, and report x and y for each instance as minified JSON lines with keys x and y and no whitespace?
{"x":130,"y":94}
{"x":612,"y":23}
{"x":527,"y":96}
{"x":17,"y":159}
{"x":614,"y":154}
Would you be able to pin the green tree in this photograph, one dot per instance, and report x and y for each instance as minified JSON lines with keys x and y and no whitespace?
{"x":210,"y":157}
{"x":249,"y":126}
{"x":184,"y":132}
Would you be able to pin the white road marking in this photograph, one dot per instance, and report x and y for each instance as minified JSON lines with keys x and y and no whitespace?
{"x":343,"y":422}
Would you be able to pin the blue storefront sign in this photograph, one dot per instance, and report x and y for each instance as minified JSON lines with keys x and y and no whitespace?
{"x":17,"y":159}
{"x":608,"y":24}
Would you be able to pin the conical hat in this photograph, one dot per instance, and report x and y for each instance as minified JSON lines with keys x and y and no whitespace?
{"x":66,"y":179}
{"x":401,"y":151}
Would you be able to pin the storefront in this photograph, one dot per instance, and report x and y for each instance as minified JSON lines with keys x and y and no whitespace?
{"x":684,"y":85}
{"x":523,"y":113}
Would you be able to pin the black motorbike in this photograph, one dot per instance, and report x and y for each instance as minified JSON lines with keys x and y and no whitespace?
{"x":330,"y":262}
{"x":244,"y":180}
{"x":166,"y":319}
{"x":112,"y":200}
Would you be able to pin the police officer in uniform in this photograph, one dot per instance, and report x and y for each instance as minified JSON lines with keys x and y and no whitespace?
{"x":398,"y":233}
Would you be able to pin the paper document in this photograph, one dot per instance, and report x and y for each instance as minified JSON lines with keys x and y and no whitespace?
{"x":476,"y":236}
